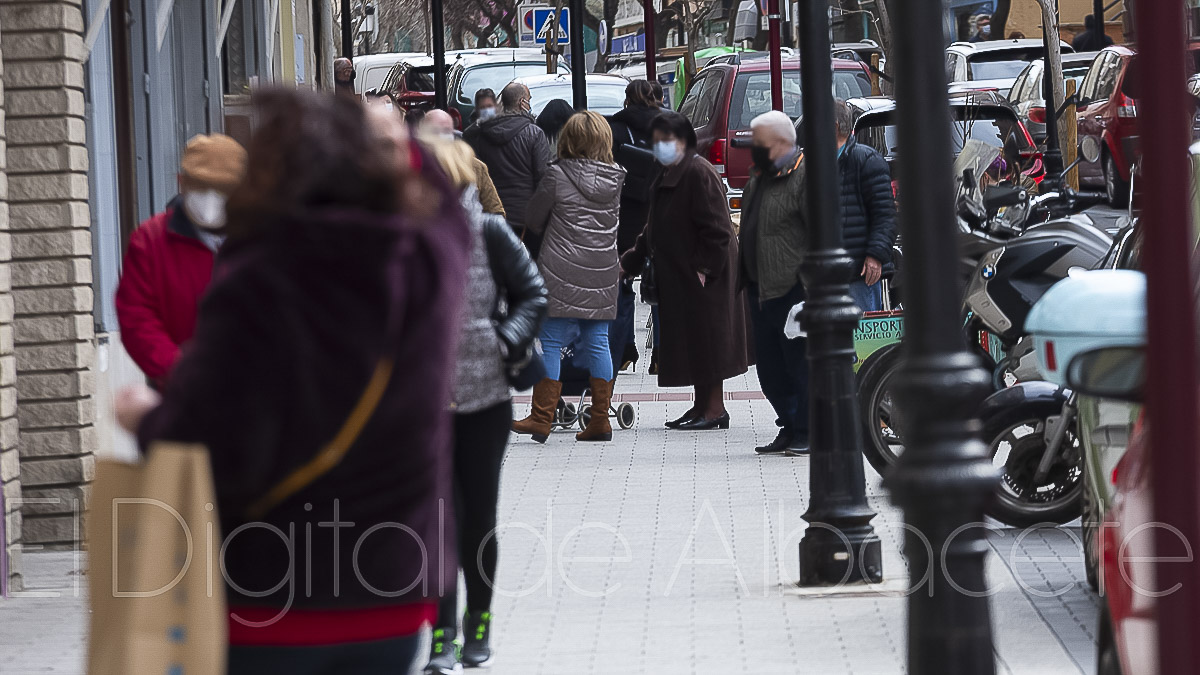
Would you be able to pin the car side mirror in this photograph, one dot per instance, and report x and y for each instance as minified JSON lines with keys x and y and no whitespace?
{"x":1109,"y":372}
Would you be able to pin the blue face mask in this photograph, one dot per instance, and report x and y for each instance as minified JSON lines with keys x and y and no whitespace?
{"x":666,"y":152}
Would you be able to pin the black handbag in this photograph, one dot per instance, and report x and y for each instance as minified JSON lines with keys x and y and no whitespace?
{"x":526,"y":372}
{"x":649,"y":282}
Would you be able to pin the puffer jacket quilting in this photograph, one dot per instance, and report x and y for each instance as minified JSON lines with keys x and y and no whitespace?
{"x":868,"y":207}
{"x":576,"y":206}
{"x":516,"y":153}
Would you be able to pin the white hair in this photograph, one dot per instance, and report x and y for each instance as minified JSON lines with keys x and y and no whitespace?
{"x":778,"y":122}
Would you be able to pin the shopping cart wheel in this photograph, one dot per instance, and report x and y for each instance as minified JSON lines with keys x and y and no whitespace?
{"x":626,"y":416}
{"x":585,"y":416}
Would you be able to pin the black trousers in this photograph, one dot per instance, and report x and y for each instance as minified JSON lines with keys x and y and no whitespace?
{"x":782,"y":363}
{"x":380,"y":657}
{"x":479,"y":442}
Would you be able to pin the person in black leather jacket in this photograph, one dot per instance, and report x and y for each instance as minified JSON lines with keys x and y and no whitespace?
{"x":868,"y":210}
{"x":488,"y":345}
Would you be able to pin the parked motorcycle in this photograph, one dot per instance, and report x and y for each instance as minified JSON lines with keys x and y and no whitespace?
{"x":1015,"y":247}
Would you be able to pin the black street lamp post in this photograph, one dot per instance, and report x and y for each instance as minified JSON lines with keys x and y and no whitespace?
{"x":347,"y":31}
{"x":437,"y":24}
{"x":578,"y":61}
{"x":840,"y":544}
{"x":945,"y":476}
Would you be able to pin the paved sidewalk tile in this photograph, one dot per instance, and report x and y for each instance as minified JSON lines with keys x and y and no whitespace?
{"x":673,"y":552}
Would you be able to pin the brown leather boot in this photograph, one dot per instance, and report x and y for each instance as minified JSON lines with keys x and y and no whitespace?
{"x":598,"y":427}
{"x":541,"y":415}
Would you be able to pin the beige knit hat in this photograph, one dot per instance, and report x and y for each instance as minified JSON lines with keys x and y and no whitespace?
{"x":213,"y":161}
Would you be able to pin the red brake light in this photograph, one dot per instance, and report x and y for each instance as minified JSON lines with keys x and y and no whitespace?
{"x":1037,"y":115}
{"x":716,"y":156}
{"x":895,"y":189}
{"x":1127,"y":107}
{"x":1051,"y":358}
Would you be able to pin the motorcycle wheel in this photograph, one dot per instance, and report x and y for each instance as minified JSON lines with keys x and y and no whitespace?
{"x":882,"y":424}
{"x":1016,"y":437}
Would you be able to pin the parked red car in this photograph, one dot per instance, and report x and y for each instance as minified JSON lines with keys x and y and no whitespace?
{"x":1109,"y":115}
{"x":1128,"y":640}
{"x":727,"y":94}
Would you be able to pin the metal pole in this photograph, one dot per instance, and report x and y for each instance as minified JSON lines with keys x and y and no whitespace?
{"x":945,"y":475}
{"x":578,"y":61}
{"x":1053,"y":156}
{"x":438,"y":23}
{"x":776,"y":58}
{"x":347,"y":31}
{"x":839,"y":545}
{"x":648,"y":31}
{"x":1171,"y":360}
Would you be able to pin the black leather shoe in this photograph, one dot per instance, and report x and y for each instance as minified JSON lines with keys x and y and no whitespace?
{"x":798,"y":446}
{"x":702,"y":424}
{"x":687,"y":417}
{"x":778,"y":446}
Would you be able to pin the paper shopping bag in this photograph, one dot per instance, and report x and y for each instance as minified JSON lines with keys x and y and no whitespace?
{"x":157,"y":595}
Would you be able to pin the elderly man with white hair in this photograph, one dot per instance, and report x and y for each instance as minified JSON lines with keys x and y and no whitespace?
{"x":439,"y":123}
{"x":774,"y":238}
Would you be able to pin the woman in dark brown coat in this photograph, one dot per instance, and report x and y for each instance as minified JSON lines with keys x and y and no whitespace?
{"x":690,"y":239}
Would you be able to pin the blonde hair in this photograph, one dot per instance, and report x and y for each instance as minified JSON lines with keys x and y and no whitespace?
{"x":455,"y":158}
{"x":586,"y":135}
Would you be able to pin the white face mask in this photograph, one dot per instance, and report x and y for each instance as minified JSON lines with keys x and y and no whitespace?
{"x":486,"y":113}
{"x":205,"y":208}
{"x":666,"y":152}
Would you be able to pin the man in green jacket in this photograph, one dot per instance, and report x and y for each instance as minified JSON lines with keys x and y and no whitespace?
{"x":773,"y":242}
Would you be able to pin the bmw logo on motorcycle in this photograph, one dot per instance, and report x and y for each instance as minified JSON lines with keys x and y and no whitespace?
{"x":988,"y":271}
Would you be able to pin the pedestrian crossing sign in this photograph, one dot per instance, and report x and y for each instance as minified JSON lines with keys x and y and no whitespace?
{"x":543,"y":19}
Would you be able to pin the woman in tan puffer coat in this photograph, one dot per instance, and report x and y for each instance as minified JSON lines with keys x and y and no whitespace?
{"x":576,"y":208}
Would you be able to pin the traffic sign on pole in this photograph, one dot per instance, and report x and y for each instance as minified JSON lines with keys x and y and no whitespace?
{"x":544,"y":20}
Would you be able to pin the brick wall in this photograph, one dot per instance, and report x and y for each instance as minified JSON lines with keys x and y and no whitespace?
{"x":10,"y":469}
{"x":50,"y":269}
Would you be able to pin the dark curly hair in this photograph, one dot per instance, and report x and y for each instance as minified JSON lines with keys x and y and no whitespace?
{"x":310,"y":151}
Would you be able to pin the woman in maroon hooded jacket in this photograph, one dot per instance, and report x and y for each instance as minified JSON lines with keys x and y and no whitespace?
{"x":327,"y":289}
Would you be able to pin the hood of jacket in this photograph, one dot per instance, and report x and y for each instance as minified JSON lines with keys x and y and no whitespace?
{"x":596,"y":181}
{"x":637,"y":117}
{"x":503,"y":128}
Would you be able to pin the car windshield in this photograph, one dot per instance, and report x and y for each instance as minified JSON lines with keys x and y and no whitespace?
{"x":496,"y":77}
{"x":606,"y":99}
{"x":752,"y":93}
{"x":994,"y":126}
{"x":1005,"y":65}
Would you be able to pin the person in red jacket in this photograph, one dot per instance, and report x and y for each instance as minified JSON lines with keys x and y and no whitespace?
{"x":169,"y":261}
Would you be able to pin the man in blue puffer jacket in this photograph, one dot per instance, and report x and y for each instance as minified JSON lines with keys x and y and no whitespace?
{"x":868,"y":210}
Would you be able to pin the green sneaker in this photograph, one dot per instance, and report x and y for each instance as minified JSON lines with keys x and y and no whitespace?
{"x":477,"y":649}
{"x":444,"y":655}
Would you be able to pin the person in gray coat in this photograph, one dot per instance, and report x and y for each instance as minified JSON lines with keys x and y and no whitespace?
{"x":577,"y":206}
{"x":516,"y":153}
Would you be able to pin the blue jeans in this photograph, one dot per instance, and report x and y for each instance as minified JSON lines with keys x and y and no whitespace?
{"x":592,"y":346}
{"x":868,"y":298}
